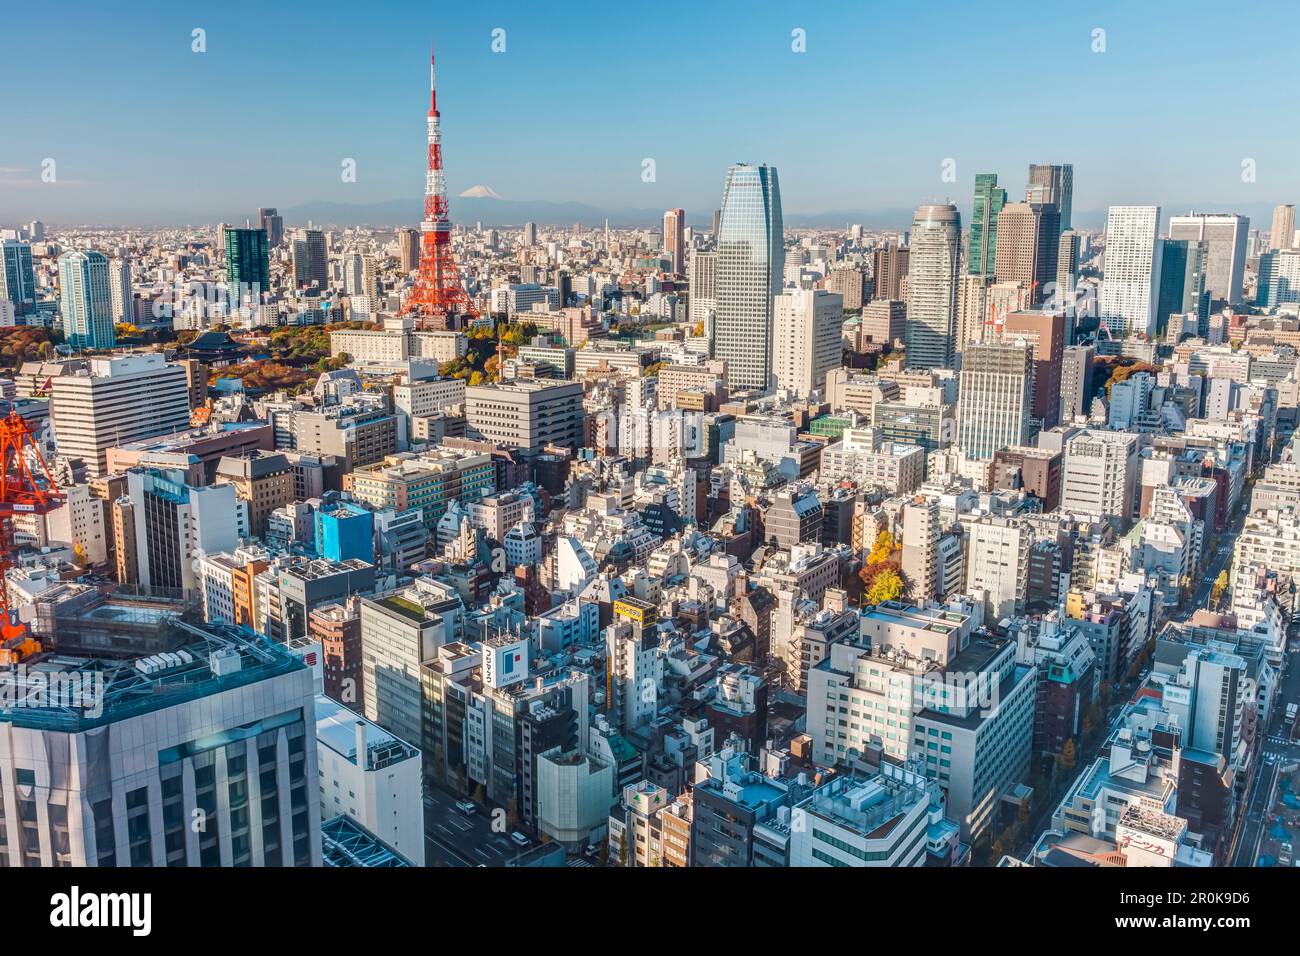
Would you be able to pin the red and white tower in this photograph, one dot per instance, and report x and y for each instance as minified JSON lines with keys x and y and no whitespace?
{"x":437,"y":300}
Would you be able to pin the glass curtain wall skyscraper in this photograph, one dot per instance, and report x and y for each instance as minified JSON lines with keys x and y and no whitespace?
{"x":17,"y":278}
{"x":751,"y":260}
{"x":87,"y":300}
{"x":248,"y":269}
{"x":989,"y":200}
{"x":932,"y":286}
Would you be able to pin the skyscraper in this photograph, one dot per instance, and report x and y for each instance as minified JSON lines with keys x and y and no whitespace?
{"x":1131,"y":270}
{"x":703,"y":285}
{"x":310,"y":259}
{"x":1182,"y":283}
{"x":889,"y":266}
{"x":408,"y":248}
{"x":751,"y":258}
{"x":273,"y":223}
{"x":995,"y":397}
{"x":935,"y":256}
{"x":119,"y":281}
{"x":1028,"y":233}
{"x":117,"y":400}
{"x":1054,"y":185}
{"x":675,"y":240}
{"x":989,"y":200}
{"x":1226,"y":265}
{"x":17,"y":279}
{"x":1282,"y":235}
{"x":1067,"y":269}
{"x":248,"y":269}
{"x":1279,"y":278}
{"x":86,"y":298}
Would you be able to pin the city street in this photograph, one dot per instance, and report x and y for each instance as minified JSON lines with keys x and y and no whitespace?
{"x":1218,"y":561}
{"x":455,"y":839}
{"x":1276,"y":750}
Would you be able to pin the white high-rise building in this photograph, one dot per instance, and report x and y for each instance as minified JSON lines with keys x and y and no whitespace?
{"x":1100,"y":472}
{"x":933,"y":265}
{"x":79,"y":523}
{"x":806,"y":328}
{"x":115,"y":401}
{"x":1130,"y":287}
{"x":175,"y":524}
{"x":703,"y":268}
{"x":119,"y":285}
{"x":997,"y":564}
{"x":359,"y":277}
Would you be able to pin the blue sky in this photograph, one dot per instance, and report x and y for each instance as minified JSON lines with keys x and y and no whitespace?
{"x":143,"y":129}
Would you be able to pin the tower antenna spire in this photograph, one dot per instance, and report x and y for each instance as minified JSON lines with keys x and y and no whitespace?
{"x":437,"y":300}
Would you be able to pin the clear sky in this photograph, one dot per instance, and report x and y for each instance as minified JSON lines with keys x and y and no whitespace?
{"x":142,"y":129}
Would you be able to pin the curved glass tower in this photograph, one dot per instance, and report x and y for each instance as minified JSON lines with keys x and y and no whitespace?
{"x":751,"y":259}
{"x":932,"y":286}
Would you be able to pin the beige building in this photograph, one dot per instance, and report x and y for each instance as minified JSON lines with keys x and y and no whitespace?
{"x":806,"y":331}
{"x":263,"y":479}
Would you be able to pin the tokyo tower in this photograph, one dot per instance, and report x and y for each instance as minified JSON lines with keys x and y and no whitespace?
{"x":437,"y":299}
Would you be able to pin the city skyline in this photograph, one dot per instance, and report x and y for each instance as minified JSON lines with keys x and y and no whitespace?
{"x":508,"y":533}
{"x":160,"y":141}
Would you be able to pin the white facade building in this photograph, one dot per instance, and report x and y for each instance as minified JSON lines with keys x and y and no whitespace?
{"x":116,"y":401}
{"x":370,"y":775}
{"x":1130,"y":285}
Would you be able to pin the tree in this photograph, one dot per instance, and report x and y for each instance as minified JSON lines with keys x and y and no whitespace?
{"x":882,"y":549}
{"x":999,"y":848}
{"x":622,"y":851}
{"x":1068,"y":756}
{"x":1220,"y":586}
{"x":888,"y":586}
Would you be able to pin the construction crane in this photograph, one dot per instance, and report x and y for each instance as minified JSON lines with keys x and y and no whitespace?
{"x":21,"y":492}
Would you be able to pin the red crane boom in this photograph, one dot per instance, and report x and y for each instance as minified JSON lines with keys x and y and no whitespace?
{"x":21,"y":492}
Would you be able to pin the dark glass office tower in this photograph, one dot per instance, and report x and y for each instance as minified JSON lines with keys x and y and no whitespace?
{"x":989,"y":200}
{"x":1182,"y":283}
{"x":248,"y":267}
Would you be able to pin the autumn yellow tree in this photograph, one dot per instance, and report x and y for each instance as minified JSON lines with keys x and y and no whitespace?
{"x":888,"y":586}
{"x":882,"y":549}
{"x":1068,"y":756}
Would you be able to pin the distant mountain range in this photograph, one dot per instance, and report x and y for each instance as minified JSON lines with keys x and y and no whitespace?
{"x":515,"y":212}
{"x":496,"y":212}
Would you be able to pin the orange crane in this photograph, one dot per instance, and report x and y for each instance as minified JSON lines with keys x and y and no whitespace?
{"x":21,"y":492}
